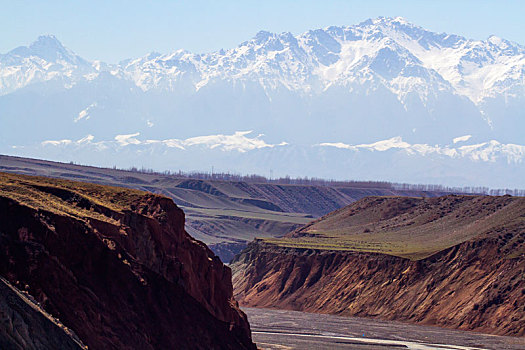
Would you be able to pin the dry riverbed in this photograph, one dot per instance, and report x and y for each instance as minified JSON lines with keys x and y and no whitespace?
{"x":282,"y":329}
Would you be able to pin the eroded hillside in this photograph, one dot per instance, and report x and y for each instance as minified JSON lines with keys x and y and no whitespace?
{"x":454,"y":261}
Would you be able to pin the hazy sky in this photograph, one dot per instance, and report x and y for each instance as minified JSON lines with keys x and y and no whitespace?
{"x":112,"y":30}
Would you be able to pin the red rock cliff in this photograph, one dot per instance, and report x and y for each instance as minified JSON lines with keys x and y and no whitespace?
{"x":116,"y":266}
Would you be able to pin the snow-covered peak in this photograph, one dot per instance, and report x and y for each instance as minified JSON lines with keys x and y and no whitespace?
{"x":490,"y":151}
{"x":44,"y":60}
{"x":47,"y":42}
{"x":49,"y":49}
{"x":399,"y":27}
{"x":379,"y":53}
{"x":263,"y":36}
{"x":240,"y":141}
{"x":496,"y":40}
{"x":506,"y":47}
{"x":389,"y":21}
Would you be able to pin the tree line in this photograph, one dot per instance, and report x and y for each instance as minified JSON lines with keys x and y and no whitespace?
{"x":314,"y":181}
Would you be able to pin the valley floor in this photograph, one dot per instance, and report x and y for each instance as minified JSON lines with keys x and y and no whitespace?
{"x":283,"y":329}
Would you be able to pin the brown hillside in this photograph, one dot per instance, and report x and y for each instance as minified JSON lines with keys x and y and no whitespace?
{"x":412,"y":227}
{"x":116,"y":266}
{"x":454,"y":261}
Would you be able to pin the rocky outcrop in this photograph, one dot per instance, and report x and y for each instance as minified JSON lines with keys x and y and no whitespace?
{"x":25,"y":326}
{"x":116,"y":266}
{"x":478,"y":284}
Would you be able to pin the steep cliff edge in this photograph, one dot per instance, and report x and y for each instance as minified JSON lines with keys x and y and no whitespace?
{"x":376,"y":264}
{"x":116,"y":266}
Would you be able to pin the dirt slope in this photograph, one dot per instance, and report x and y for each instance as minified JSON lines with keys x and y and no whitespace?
{"x":454,"y":261}
{"x":116,"y":266}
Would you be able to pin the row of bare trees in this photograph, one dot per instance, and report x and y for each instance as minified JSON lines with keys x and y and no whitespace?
{"x":313,"y":181}
{"x":467,"y":189}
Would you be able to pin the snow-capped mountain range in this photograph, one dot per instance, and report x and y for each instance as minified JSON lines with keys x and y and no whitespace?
{"x":336,"y":90}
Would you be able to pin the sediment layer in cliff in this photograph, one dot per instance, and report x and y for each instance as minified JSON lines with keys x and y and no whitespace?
{"x":469,"y":275}
{"x":116,"y":266}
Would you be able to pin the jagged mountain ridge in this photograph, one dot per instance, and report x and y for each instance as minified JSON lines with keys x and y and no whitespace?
{"x":395,"y":52}
{"x":43,"y":60}
{"x":384,"y":48}
{"x":353,"y":85}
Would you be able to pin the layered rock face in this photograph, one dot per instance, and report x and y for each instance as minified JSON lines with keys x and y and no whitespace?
{"x":116,"y":266}
{"x":478,"y":284}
